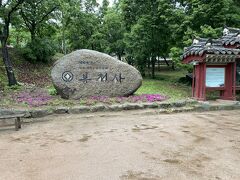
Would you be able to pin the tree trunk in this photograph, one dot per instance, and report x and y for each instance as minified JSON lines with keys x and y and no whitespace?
{"x":153,"y":67}
{"x":64,"y":42}
{"x":8,"y":65}
{"x":64,"y":48}
{"x":166,"y":61}
{"x":119,"y":57}
{"x":33,"y":33}
{"x":142,"y":70}
{"x":148,"y":64}
{"x":173,"y":66}
{"x":4,"y":37}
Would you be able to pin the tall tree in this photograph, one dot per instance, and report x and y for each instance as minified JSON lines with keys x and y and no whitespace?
{"x":104,"y":8}
{"x":149,"y":28}
{"x":67,"y":12}
{"x":81,"y":30}
{"x":7,"y":9}
{"x":35,"y":13}
{"x":202,"y":19}
{"x":83,"y":25}
{"x":113,"y":29}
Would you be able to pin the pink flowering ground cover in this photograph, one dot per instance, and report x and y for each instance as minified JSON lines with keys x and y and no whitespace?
{"x":35,"y":99}
{"x":41,"y":98}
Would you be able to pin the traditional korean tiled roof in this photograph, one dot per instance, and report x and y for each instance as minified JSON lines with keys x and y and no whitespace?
{"x":220,"y":58}
{"x":232,"y":37}
{"x":208,"y":46}
{"x":217,"y":49}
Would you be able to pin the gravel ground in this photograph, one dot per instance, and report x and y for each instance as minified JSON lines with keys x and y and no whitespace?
{"x":135,"y":145}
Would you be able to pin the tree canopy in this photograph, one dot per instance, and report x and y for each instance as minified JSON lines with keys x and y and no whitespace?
{"x":137,"y":31}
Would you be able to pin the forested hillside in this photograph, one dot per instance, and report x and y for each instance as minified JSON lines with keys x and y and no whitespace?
{"x":137,"y":31}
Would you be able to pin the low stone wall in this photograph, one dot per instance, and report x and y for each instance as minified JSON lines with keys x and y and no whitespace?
{"x":163,"y":107}
{"x":36,"y":113}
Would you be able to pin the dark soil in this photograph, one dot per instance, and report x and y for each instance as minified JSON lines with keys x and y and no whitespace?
{"x":37,"y":74}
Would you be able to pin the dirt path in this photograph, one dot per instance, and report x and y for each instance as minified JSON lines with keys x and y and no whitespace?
{"x":135,"y":145}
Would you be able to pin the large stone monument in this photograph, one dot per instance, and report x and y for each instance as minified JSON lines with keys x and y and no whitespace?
{"x":86,"y":73}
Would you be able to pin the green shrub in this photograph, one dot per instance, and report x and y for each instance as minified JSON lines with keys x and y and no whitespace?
{"x":39,"y":50}
{"x":176,"y":54}
{"x":11,"y":89}
{"x":52,"y":91}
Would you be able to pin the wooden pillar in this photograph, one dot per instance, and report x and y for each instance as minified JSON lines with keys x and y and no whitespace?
{"x":228,"y":93}
{"x":197,"y":80}
{"x":17,"y":123}
{"x":200,"y":82}
{"x":193,"y":82}
{"x":234,"y":79}
{"x":204,"y":71}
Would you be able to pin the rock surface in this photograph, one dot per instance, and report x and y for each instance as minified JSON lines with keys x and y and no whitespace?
{"x":86,"y":73}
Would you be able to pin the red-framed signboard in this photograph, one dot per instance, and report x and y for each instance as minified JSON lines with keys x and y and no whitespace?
{"x":215,"y":77}
{"x":209,"y":77}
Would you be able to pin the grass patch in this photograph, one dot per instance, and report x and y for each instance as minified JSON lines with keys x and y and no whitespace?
{"x":166,"y":83}
{"x":3,"y":76}
{"x":171,"y":90}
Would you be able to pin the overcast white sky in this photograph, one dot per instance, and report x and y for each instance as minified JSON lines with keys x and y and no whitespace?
{"x":110,"y":1}
{"x":99,"y":1}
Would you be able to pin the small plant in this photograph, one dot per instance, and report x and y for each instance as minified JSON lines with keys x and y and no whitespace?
{"x":52,"y":91}
{"x":13,"y":88}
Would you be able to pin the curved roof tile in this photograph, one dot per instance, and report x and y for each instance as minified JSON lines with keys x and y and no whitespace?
{"x":203,"y":46}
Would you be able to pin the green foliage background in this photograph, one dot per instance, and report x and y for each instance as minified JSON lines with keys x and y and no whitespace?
{"x":136,"y":31}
